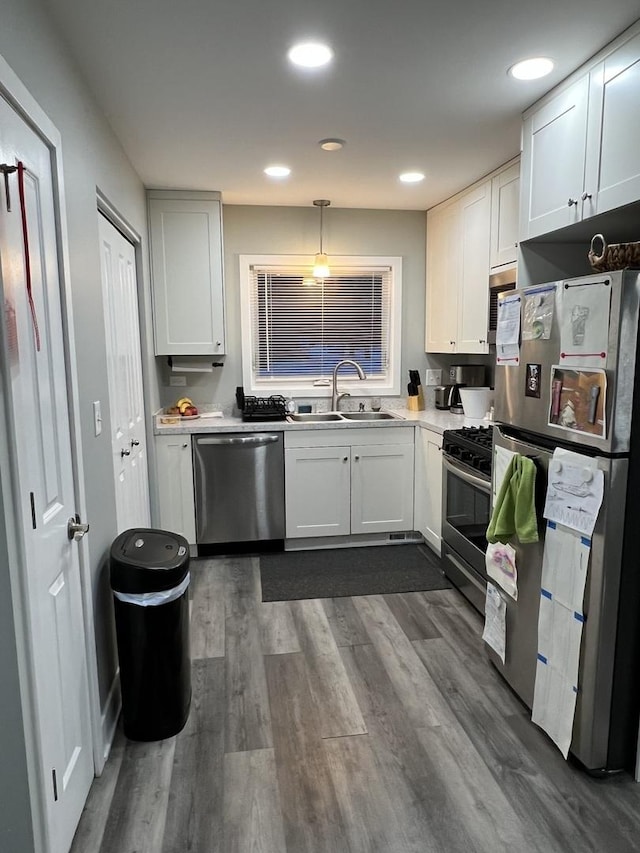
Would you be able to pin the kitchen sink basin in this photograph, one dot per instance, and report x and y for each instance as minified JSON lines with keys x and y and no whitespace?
{"x":369,"y":416}
{"x":314,"y":417}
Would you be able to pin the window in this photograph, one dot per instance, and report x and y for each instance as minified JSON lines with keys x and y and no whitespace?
{"x":296,"y":328}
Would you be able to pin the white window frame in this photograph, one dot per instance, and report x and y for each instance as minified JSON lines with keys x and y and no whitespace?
{"x":389,"y":387}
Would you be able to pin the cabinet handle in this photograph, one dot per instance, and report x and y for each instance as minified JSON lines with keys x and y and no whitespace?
{"x":345,"y":458}
{"x":356,"y":458}
{"x":185,"y":445}
{"x":480,"y":341}
{"x":218,"y":343}
{"x":572,"y":201}
{"x":586,"y":195}
{"x":124,"y":452}
{"x":135,"y":442}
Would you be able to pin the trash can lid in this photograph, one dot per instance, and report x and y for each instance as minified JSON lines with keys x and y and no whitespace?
{"x":145,"y":560}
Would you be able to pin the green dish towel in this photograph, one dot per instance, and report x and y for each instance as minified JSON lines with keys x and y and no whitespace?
{"x":514,"y":512}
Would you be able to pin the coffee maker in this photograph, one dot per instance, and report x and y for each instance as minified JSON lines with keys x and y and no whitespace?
{"x":467,"y":375}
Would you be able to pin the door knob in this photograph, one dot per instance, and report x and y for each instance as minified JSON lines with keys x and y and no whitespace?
{"x":125,"y":452}
{"x":586,"y":196}
{"x":76,"y":529}
{"x":572,"y":201}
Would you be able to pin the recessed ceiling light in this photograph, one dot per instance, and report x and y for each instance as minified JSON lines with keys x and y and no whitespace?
{"x":332,"y":144}
{"x":277,"y":171}
{"x":310,"y":54}
{"x":531,"y":69}
{"x":411,"y":177}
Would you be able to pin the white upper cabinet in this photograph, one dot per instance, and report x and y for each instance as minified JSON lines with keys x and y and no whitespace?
{"x":505,"y":214}
{"x":187,"y":272}
{"x":553,"y":162}
{"x":458,"y":236}
{"x":613,"y":153}
{"x":473,"y":294}
{"x":580,"y":146}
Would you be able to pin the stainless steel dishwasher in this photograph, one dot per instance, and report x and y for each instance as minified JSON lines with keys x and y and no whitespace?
{"x":239,"y":487}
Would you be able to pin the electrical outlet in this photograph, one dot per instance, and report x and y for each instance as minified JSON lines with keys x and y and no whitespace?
{"x":177,"y":381}
{"x":433,"y":377}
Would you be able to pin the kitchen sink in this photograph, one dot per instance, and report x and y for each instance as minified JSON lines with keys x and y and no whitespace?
{"x":370,"y":416}
{"x":314,"y":417}
{"x":323,"y":417}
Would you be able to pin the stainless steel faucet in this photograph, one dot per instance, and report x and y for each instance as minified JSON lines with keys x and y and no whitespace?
{"x":335,"y":397}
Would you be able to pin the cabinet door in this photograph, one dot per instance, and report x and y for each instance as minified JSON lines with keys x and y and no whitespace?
{"x":553,"y":162}
{"x":175,"y":485}
{"x":613,"y":164}
{"x":317,"y":491}
{"x":441,"y":319}
{"x":473,"y":293}
{"x":428,"y":486}
{"x":381,"y":488}
{"x":186,"y":255}
{"x":505,"y":212}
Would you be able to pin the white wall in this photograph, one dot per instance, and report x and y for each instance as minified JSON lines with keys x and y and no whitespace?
{"x":93,"y":160}
{"x":296,"y":230}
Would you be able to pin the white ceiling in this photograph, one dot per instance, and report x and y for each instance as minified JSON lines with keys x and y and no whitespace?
{"x":201,"y":95}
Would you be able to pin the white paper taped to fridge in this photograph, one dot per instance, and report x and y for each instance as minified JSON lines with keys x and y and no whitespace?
{"x":564,"y":565}
{"x":537,"y":312}
{"x":554,"y":705}
{"x":495,"y":613}
{"x":508,"y":331}
{"x":575,"y":488}
{"x":584,"y":331}
{"x":501,"y":459}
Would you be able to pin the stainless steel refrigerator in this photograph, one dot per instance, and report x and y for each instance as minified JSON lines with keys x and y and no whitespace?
{"x":535,"y":413}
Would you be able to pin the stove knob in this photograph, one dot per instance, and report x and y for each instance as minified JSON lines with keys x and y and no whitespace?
{"x":466,"y":456}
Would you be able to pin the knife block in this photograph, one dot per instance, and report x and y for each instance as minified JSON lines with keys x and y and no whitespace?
{"x":416,"y":403}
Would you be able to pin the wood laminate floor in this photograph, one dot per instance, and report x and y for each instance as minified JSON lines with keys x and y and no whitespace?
{"x":363,"y":725}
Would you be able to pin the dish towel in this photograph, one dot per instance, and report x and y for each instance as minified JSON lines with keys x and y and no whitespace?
{"x":514,"y":512}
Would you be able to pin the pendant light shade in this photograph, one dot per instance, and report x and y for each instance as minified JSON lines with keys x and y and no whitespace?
{"x":321,"y":263}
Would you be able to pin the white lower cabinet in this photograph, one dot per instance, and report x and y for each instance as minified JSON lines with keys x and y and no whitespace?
{"x":428,"y":486}
{"x":174,"y":468}
{"x":342,"y":482}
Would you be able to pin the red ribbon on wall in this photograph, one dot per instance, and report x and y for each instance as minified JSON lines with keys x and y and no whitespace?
{"x":27,"y":260}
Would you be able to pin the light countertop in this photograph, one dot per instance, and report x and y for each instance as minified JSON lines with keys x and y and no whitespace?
{"x":433,"y":419}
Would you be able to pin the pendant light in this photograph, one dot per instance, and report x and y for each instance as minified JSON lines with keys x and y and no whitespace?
{"x":321,"y":263}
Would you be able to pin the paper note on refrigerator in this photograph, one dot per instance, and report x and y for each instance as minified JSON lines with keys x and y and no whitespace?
{"x":584,"y":330}
{"x":501,"y":459}
{"x":495,"y":621}
{"x":508,"y":331}
{"x":560,"y":624}
{"x":575,"y":488}
{"x":500,"y":562}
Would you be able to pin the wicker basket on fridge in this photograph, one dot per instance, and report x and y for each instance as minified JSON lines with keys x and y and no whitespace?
{"x":617,"y":256}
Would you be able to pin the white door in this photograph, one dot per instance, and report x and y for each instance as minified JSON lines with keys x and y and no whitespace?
{"x":45,"y":500}
{"x":317,"y":491}
{"x":442,"y":279}
{"x":122,"y":327}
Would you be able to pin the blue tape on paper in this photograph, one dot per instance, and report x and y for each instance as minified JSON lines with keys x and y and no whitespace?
{"x":543,"y":289}
{"x":546,"y":594}
{"x":551,"y":524}
{"x":585,"y":541}
{"x":578,"y":616}
{"x":542,"y":658}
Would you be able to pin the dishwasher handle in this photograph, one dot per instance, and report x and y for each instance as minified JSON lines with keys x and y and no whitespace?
{"x":240,"y":440}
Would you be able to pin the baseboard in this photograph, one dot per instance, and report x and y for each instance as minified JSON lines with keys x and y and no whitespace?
{"x":357,"y":541}
{"x":109,"y":719}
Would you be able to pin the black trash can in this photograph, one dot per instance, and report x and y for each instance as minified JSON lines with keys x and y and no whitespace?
{"x":150,"y":583}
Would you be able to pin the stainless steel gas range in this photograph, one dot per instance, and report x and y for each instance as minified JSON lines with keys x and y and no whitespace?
{"x":466,"y":509}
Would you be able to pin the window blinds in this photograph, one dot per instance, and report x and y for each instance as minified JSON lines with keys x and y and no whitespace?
{"x":301,"y":327}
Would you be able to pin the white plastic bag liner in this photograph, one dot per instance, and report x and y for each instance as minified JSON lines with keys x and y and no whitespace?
{"x":153,"y":599}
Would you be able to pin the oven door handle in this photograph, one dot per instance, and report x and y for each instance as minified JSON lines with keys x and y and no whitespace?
{"x":478,"y":482}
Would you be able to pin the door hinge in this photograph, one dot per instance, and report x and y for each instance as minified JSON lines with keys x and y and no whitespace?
{"x":55,"y":785}
{"x":33,"y":510}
